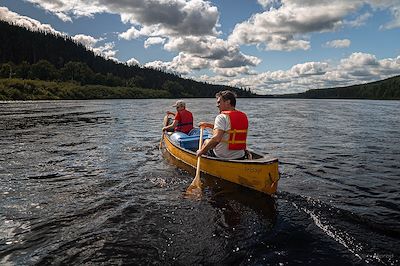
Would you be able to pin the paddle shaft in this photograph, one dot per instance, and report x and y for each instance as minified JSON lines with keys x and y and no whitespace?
{"x":162,"y":137}
{"x":198,"y":158}
{"x":165,"y":123}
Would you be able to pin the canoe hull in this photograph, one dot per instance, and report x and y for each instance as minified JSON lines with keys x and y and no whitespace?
{"x":260,"y":174}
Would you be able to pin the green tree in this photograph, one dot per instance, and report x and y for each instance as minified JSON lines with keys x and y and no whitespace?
{"x":22,"y":70}
{"x":7,"y":70}
{"x":77,"y":71}
{"x":43,"y":70}
{"x":174,"y":88}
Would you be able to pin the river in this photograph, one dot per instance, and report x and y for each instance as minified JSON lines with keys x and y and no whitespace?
{"x":84,"y":182}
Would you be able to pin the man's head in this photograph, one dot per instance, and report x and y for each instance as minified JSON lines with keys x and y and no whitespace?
{"x":180,"y":104}
{"x":226,"y":100}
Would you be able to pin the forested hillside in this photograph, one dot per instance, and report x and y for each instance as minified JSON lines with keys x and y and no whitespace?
{"x":42,"y":56}
{"x":388,"y":89}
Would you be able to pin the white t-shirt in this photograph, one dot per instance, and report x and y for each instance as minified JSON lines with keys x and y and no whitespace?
{"x":222,"y":122}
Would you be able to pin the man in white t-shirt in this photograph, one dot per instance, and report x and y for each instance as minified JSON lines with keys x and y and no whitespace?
{"x":229,"y":130}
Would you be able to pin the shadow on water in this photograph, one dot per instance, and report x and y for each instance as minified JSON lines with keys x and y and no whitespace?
{"x":220,"y":192}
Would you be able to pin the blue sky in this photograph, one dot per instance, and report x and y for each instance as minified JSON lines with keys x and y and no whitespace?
{"x":270,"y":46}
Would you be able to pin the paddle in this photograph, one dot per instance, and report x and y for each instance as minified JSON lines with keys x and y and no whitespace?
{"x":195,"y":186}
{"x":165,"y":123}
{"x":162,"y":137}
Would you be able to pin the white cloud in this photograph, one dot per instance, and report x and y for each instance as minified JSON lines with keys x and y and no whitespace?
{"x":357,"y":60}
{"x":395,"y":23}
{"x":89,"y":42}
{"x":358,"y":68}
{"x":393,"y":6}
{"x":173,"y":17}
{"x":130,"y":34}
{"x":285,"y":28}
{"x":66,"y":9}
{"x":133,"y":62}
{"x":309,"y":69}
{"x":26,"y":22}
{"x":86,"y":40}
{"x":267,"y":4}
{"x":287,"y":23}
{"x":182,"y":64}
{"x":107,"y":51}
{"x":359,"y":21}
{"x":234,"y":71}
{"x":204,"y":52}
{"x":339,"y":43}
{"x":153,"y":40}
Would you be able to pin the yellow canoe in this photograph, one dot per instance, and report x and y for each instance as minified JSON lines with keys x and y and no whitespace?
{"x":261,"y":173}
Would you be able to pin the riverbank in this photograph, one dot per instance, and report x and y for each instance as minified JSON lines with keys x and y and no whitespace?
{"x":25,"y":89}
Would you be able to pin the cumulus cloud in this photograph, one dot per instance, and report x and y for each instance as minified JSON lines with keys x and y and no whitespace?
{"x":133,"y":62}
{"x":235,"y":71}
{"x":153,"y":40}
{"x":209,"y":51}
{"x":309,"y":69}
{"x":339,"y":43}
{"x":267,"y":4}
{"x":358,"y":68}
{"x":172,"y":17}
{"x":181,"y":64}
{"x":287,"y":23}
{"x":86,"y":40}
{"x":285,"y":28}
{"x":106,"y":50}
{"x":26,"y":22}
{"x":66,"y":9}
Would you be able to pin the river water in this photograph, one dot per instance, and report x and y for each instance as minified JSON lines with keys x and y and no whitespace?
{"x":84,"y":182}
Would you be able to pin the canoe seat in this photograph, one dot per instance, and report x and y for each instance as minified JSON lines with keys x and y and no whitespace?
{"x":191,"y":141}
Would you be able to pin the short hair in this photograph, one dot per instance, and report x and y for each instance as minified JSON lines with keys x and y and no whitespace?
{"x":227,"y":95}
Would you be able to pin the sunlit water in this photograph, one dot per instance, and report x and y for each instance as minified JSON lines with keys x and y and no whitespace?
{"x":84,"y":182}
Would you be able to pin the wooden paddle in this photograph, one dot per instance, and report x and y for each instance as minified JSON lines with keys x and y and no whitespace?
{"x":195,"y":186}
{"x":162,"y":137}
{"x":165,"y":122}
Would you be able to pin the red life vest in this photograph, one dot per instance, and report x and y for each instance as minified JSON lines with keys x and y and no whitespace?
{"x":238,"y":131}
{"x":185,"y":123}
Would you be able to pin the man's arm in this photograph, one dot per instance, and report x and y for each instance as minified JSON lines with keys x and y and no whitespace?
{"x":211,"y":143}
{"x":172,"y":126}
{"x":170,"y":113}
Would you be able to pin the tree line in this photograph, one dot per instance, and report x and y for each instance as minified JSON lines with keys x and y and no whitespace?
{"x":387,"y":89}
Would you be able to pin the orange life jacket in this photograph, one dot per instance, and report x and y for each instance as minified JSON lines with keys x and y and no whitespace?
{"x":186,"y":122}
{"x":238,"y":131}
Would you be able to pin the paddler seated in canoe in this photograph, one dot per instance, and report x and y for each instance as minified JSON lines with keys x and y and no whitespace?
{"x":229,"y":130}
{"x":183,"y":119}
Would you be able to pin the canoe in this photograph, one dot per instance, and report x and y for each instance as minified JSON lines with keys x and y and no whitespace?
{"x":260,"y":173}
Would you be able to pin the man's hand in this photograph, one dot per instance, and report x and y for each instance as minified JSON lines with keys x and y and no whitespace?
{"x":199,"y":153}
{"x":205,"y":124}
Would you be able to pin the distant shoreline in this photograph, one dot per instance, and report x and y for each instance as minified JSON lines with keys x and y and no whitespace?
{"x":32,"y":90}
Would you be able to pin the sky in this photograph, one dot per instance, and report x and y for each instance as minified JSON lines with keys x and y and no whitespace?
{"x":269,"y":46}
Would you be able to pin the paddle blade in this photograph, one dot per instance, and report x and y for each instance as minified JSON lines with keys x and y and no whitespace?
{"x":194,"y":190}
{"x":162,"y":137}
{"x":195,"y":187}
